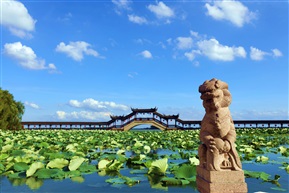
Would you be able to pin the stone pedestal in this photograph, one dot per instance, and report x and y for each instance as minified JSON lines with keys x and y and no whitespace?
{"x":221,"y":181}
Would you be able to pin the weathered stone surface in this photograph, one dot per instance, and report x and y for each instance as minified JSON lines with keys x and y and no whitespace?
{"x":220,"y":181}
{"x":221,"y":177}
{"x":220,"y":169}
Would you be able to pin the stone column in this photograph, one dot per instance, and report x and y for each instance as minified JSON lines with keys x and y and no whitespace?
{"x":220,"y":169}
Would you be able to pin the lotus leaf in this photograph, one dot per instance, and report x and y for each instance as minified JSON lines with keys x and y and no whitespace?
{"x":159,"y":167}
{"x":17,"y":153}
{"x":120,"y":152}
{"x":2,"y":168}
{"x":253,"y":174}
{"x":75,"y":163}
{"x":45,"y":173}
{"x":87,"y":168}
{"x":262,"y":159}
{"x":194,"y":161}
{"x":32,"y":169}
{"x":3,"y":156}
{"x":57,"y":163}
{"x":147,"y":149}
{"x":114,"y":165}
{"x":187,"y":172}
{"x":103,"y":163}
{"x":20,"y":166}
{"x":6,"y":148}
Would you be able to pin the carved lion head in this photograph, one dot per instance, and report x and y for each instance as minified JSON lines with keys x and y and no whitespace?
{"x":215,"y":94}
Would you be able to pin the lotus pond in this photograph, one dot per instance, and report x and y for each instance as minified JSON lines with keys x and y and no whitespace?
{"x":60,"y":161}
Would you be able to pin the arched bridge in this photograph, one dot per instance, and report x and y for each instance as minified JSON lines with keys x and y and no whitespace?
{"x":151,"y":117}
{"x":147,"y":116}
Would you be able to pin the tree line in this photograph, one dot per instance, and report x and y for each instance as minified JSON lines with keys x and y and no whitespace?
{"x":11,"y":111}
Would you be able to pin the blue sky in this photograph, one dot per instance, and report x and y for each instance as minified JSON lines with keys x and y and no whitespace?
{"x":85,"y":60}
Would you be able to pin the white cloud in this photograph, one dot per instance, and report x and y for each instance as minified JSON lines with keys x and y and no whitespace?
{"x":146,"y":54}
{"x":32,"y":105}
{"x":192,"y":54}
{"x":194,"y":34}
{"x":76,"y":50}
{"x":83,"y":115}
{"x":277,"y":53}
{"x":161,"y":10}
{"x":97,"y":105}
{"x":61,"y":114}
{"x":137,"y":19}
{"x":257,"y":54}
{"x":132,"y":74}
{"x":233,"y":11}
{"x":216,"y":51}
{"x":121,"y":5}
{"x":16,"y":18}
{"x":184,"y":43}
{"x":26,"y":57}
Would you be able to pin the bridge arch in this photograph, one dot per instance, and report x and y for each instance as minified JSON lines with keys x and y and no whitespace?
{"x":135,"y":123}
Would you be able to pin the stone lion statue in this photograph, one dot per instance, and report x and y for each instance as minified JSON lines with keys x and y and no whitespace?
{"x":217,"y":151}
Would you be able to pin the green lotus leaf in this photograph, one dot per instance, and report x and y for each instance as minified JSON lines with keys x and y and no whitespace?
{"x":45,"y":173}
{"x":17,"y":152}
{"x":34,"y":183}
{"x":25,"y":159}
{"x":262,"y":159}
{"x":16,"y":175}
{"x":120,"y":152}
{"x":194,"y":161}
{"x":159,"y":167}
{"x":287,"y":169}
{"x":57,"y":163}
{"x":71,"y":174}
{"x":115,"y":180}
{"x":44,"y":144}
{"x":187,"y":172}
{"x":138,"y":144}
{"x":75,"y":163}
{"x":146,"y":149}
{"x":33,"y":168}
{"x":254,"y":174}
{"x":87,"y":168}
{"x":6,"y":148}
{"x":3,"y":156}
{"x":71,"y":147}
{"x":131,"y":180}
{"x":103,"y":163}
{"x":114,"y":165}
{"x":2,"y":168}
{"x":20,"y":166}
{"x":283,"y":150}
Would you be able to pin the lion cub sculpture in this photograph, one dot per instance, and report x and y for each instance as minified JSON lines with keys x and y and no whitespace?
{"x":217,"y":151}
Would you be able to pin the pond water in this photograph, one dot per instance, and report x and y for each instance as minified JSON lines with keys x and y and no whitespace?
{"x":92,"y":183}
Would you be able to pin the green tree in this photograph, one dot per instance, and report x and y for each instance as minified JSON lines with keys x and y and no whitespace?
{"x":11,"y":111}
